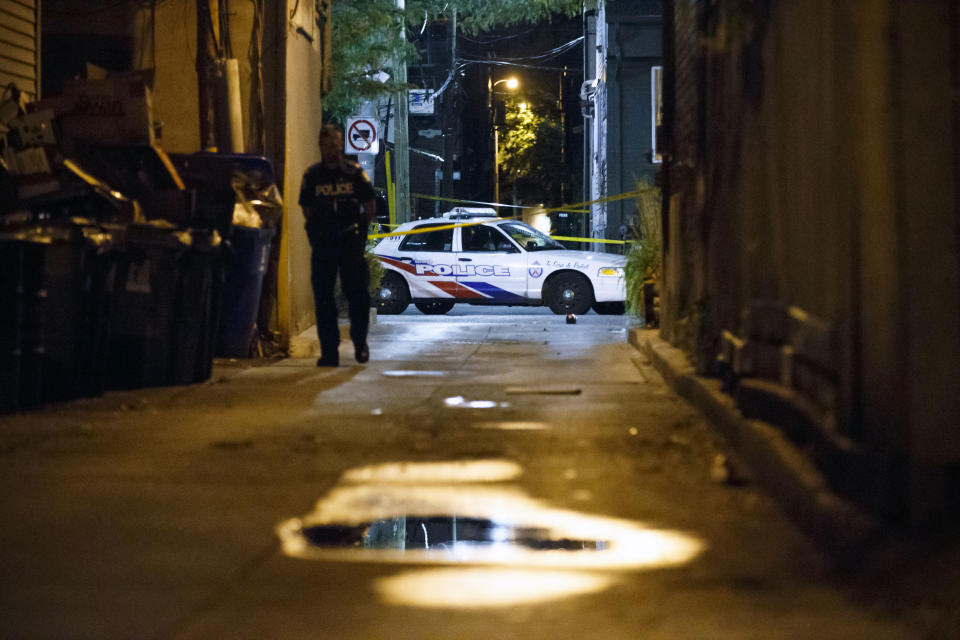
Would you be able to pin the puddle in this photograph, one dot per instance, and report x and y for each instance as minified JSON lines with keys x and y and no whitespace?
{"x":501,"y":547}
{"x":465,"y":471}
{"x":460,"y":402}
{"x":485,"y":588}
{"x":454,"y":512}
{"x":442,"y":533}
{"x":412,"y":373}
{"x":512,"y":425}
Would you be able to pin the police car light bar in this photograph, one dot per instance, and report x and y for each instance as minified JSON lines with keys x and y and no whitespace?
{"x":461,"y":213}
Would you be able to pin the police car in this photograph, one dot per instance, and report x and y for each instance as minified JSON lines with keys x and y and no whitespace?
{"x":472,"y":256}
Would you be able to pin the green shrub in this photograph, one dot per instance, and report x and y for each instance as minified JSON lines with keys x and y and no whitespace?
{"x":644,"y":264}
{"x":376,"y":271}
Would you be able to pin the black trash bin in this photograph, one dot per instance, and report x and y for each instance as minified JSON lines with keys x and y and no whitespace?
{"x":145,"y":299}
{"x":212,"y":176}
{"x":247,"y":259}
{"x":11,"y":323}
{"x":165,"y":302}
{"x":54,"y":304}
{"x":198,"y":306}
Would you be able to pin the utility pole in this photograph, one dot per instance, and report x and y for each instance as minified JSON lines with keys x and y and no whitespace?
{"x":450,"y":125}
{"x":401,"y":150}
{"x":589,"y":124}
{"x":493,"y":127}
{"x":563,"y":135}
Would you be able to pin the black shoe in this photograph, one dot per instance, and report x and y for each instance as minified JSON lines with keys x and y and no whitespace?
{"x":362,"y":353}
{"x":328,"y":362}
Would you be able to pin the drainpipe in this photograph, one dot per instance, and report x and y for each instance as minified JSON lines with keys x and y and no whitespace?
{"x":229,"y":114}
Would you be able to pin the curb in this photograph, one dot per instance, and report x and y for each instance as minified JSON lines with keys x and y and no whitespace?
{"x":839,"y":527}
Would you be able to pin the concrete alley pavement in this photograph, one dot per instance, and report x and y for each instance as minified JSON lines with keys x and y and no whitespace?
{"x":203,"y":511}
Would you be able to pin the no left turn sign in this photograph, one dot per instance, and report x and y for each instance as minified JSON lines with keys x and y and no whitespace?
{"x":362,"y":135}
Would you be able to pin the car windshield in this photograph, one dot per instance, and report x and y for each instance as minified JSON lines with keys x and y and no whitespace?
{"x":529,"y":238}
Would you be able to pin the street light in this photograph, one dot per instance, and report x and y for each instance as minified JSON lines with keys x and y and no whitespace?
{"x":512,"y":83}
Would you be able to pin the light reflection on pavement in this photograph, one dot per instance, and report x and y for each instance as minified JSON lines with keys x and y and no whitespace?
{"x":460,"y":513}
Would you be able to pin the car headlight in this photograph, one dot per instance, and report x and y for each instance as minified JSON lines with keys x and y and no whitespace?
{"x":616,"y":272}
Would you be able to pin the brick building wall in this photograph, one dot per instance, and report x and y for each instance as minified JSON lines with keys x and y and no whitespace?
{"x":812,"y":253}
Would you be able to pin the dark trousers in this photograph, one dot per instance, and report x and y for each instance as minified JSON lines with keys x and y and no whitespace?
{"x":354,"y":280}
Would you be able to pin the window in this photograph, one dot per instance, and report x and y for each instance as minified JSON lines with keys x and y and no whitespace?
{"x":440,"y":240}
{"x":483,"y":238}
{"x":529,"y":238}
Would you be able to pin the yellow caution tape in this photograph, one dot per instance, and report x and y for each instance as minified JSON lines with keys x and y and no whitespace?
{"x":621,"y":196}
{"x":496,"y":204}
{"x":486,"y":204}
{"x":375,"y":236}
{"x":602,"y":240}
{"x":573,"y":208}
{"x":569,"y":208}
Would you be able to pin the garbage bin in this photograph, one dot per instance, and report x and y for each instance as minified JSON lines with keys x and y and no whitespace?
{"x":212,"y":176}
{"x":53,"y":311}
{"x":11,"y":309}
{"x":247,"y":259}
{"x":144,"y":310}
{"x":220,"y":181}
{"x":198,"y":306}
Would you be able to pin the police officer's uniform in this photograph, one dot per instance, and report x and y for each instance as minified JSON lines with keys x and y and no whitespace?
{"x":337,"y":230}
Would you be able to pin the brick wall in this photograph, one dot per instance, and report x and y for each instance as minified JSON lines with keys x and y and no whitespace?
{"x":811,"y":249}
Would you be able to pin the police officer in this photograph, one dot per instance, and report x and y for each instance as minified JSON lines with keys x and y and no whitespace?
{"x":338,"y":203}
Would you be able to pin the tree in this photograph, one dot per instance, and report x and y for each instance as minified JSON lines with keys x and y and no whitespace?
{"x":366,"y":41}
{"x":529,"y":153}
{"x":481,"y":15}
{"x":367,"y":38}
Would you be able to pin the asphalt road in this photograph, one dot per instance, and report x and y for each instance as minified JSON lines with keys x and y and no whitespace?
{"x":591,"y":502}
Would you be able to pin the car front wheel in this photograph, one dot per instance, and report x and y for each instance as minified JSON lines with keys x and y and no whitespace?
{"x":393,"y":296}
{"x":434,"y":307}
{"x":569,"y":293}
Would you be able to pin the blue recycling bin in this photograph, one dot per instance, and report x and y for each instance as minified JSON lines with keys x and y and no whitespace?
{"x":247,"y":259}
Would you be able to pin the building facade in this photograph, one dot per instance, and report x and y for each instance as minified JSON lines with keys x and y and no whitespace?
{"x":623,"y":54}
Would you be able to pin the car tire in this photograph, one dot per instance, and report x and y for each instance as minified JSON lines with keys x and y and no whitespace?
{"x":393,"y":297}
{"x":610,"y":308}
{"x":569,"y":293}
{"x":435,"y":307}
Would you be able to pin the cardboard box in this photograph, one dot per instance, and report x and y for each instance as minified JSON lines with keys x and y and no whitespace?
{"x":30,"y":161}
{"x":108,"y":112}
{"x":35,"y":129}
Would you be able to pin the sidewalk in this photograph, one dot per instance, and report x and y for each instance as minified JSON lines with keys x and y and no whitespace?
{"x":917,"y":576}
{"x":837,"y":525}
